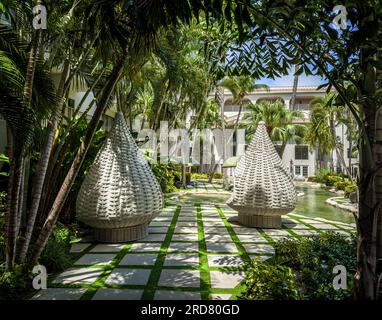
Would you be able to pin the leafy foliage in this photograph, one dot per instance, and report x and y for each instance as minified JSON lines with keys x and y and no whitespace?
{"x":313,"y":259}
{"x":270,"y":282}
{"x":56,"y":256}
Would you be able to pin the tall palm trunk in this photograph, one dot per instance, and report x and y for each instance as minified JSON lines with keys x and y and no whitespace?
{"x":369,"y":220}
{"x":42,"y":167}
{"x":14,"y":189}
{"x":224,"y":170}
{"x":294,"y":90}
{"x":77,"y":162}
{"x":336,"y":148}
{"x":17,"y":179}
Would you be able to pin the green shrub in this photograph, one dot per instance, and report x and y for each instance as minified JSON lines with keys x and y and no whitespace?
{"x":342,"y":184}
{"x":14,"y":284}
{"x":350,"y":189}
{"x":322,"y":176}
{"x":218,"y":175}
{"x":313,"y":259}
{"x":167,"y":175}
{"x":303,"y":269}
{"x":56,"y":256}
{"x":197,"y":176}
{"x":270,"y":282}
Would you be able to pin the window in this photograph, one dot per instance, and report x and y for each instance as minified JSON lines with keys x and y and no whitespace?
{"x":301,"y":153}
{"x":297,"y":170}
{"x":305,"y":171}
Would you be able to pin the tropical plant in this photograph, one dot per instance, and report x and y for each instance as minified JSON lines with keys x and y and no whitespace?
{"x":281,"y":122}
{"x":277,"y":35}
{"x":240,"y":87}
{"x":325,"y":116}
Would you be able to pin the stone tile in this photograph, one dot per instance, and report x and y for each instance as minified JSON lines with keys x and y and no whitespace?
{"x":145,"y":247}
{"x":78,"y":276}
{"x":324,"y":226}
{"x":129,"y":276}
{"x":109,"y":247}
{"x":154,"y":237}
{"x":185,"y":237}
{"x":95,"y":259}
{"x":218,"y":230}
{"x":186,"y":230}
{"x":251,"y":238}
{"x":179,"y":278}
{"x":79,"y":247}
{"x":160,"y":223}
{"x":59,"y":294}
{"x":139,"y":259}
{"x":164,"y":219}
{"x":183,"y":246}
{"x":176,"y":295}
{"x":158,"y":229}
{"x":211,"y":219}
{"x":180,"y":259}
{"x":212,"y":237}
{"x":310,"y":221}
{"x":226,"y":279}
{"x":187,"y":224}
{"x":276,"y":232}
{"x":296,"y":226}
{"x":306,"y":232}
{"x":118,"y":294}
{"x":217,"y":223}
{"x":221,"y":247}
{"x":221,"y":296}
{"x":259,"y":248}
{"x":187,"y":219}
{"x":244,"y":230}
{"x":224,"y":260}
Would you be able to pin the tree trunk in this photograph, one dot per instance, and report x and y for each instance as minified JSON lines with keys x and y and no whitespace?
{"x":42,"y":167}
{"x":13,"y":209}
{"x":77,"y":162}
{"x":369,"y":222}
{"x":294,"y":90}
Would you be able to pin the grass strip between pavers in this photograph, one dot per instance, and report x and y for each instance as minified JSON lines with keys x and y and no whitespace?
{"x":152,"y":283}
{"x":205,"y":279}
{"x":100,"y":281}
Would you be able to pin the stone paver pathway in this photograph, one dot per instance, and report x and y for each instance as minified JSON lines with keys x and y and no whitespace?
{"x":192,"y":252}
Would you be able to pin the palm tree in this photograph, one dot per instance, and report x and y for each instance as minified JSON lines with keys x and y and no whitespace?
{"x":325,"y":116}
{"x":131,"y":28}
{"x":240,"y":87}
{"x":24,"y":109}
{"x":280,"y":122}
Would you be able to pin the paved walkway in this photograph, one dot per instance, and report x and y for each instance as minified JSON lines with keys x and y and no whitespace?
{"x":192,"y":252}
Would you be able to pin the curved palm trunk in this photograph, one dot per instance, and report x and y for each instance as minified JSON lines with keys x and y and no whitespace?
{"x":42,"y":168}
{"x":77,"y":162}
{"x":294,"y":90}
{"x":14,"y":189}
{"x":338,"y":151}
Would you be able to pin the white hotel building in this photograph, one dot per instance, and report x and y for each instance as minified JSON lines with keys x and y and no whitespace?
{"x":300,"y":159}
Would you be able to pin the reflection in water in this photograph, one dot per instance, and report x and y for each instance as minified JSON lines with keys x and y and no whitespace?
{"x":311,"y":204}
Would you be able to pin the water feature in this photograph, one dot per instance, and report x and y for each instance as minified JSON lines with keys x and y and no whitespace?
{"x":311,"y":204}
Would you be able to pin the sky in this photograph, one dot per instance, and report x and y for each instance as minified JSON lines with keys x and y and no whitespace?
{"x":303,"y":80}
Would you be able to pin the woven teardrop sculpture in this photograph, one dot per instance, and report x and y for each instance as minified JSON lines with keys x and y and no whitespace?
{"x":120,"y":195}
{"x":263,"y":188}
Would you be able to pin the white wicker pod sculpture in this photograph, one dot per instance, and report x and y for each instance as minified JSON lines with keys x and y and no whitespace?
{"x":120,"y":195}
{"x":263,"y":188}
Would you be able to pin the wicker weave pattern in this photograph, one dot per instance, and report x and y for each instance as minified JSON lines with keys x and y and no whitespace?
{"x":262,"y":184}
{"x":120,"y":189}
